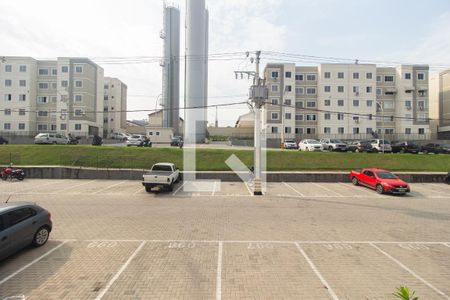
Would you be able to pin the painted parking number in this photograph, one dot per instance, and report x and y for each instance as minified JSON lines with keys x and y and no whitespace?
{"x":338,"y":246}
{"x":181,"y":245}
{"x":413,"y":247}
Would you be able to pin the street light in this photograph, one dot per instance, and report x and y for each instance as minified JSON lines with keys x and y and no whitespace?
{"x":380,"y":104}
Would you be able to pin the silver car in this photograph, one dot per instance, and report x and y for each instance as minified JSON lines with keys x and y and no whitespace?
{"x":51,"y":138}
{"x":23,"y":224}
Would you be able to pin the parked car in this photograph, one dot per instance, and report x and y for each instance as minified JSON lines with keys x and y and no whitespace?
{"x":3,"y":141}
{"x":23,"y":224}
{"x":290,"y":144}
{"x":162,"y":175}
{"x":97,"y":140}
{"x":119,"y":136}
{"x":436,"y":149}
{"x":380,"y":180}
{"x":310,"y":145}
{"x":51,"y":138}
{"x":405,"y":147}
{"x":381,"y":145}
{"x":361,"y":146}
{"x":334,"y":145}
{"x":136,"y":140}
{"x":177,"y":142}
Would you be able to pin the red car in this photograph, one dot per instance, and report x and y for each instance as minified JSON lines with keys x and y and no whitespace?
{"x":380,"y":180}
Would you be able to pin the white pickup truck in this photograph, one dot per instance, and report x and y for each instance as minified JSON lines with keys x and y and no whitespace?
{"x":162,"y":175}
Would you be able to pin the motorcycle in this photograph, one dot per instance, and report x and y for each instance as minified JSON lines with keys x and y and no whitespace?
{"x":11,"y":173}
{"x":73,"y":140}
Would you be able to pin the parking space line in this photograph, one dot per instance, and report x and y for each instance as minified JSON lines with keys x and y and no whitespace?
{"x":327,"y":189}
{"x":109,"y":187}
{"x":219,"y":272}
{"x":139,"y":190}
{"x":292,"y":188}
{"x":178,"y":189}
{"x":111,"y":282}
{"x":76,"y":186}
{"x":316,"y":271}
{"x":33,"y":262}
{"x":363,"y":189}
{"x":248,"y":188}
{"x":214,"y":189}
{"x":410,"y":271}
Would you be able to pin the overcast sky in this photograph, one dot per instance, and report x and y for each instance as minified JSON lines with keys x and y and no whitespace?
{"x":385,"y":30}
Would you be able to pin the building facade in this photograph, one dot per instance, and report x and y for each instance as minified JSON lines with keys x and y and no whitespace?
{"x":65,"y":95}
{"x":114,"y":106}
{"x":443,"y":96}
{"x":347,"y":101}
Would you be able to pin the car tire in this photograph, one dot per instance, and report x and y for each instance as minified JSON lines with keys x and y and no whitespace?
{"x":170,"y":188}
{"x":330,"y":149}
{"x":41,"y":237}
{"x":148,"y":189}
{"x":355,"y":181}
{"x":380,"y":189}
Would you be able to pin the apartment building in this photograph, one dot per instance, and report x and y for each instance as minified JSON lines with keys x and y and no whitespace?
{"x":65,"y":95}
{"x":347,"y":101}
{"x":114,"y":106}
{"x":442,"y":99}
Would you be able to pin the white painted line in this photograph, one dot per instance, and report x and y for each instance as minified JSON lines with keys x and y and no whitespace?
{"x":292,"y":188}
{"x":32,"y":263}
{"x":327,"y":189}
{"x":410,"y":271}
{"x":219,"y":273}
{"x":214,"y":189}
{"x":248,"y":189}
{"x":76,"y":186}
{"x":139,"y":191}
{"x":111,"y":282}
{"x":316,"y":271}
{"x":109,"y":187}
{"x":178,"y":189}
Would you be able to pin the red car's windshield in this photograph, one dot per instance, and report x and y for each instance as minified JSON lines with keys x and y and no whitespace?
{"x":386,"y":175}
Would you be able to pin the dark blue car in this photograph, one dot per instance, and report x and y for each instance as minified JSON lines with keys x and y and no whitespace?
{"x":21,"y":225}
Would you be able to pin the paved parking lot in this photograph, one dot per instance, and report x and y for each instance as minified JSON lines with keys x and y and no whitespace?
{"x":111,"y":240}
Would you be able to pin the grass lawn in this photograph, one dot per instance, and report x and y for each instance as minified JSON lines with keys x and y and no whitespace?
{"x":214,"y":159}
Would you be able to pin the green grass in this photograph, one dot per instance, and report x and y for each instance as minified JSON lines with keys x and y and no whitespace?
{"x":214,"y":159}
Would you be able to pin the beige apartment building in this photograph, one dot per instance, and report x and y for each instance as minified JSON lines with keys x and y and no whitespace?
{"x":114,"y":107}
{"x":347,"y":101}
{"x":65,"y":95}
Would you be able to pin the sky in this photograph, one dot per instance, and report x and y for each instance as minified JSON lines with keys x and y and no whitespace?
{"x":382,"y":30}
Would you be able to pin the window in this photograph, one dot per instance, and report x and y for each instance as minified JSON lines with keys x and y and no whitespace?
{"x":78,"y":98}
{"x":311,"y":117}
{"x":7,"y":112}
{"x":105,"y":120}
{"x":388,"y":104}
{"x":157,"y":133}
{"x":340,"y":117}
{"x":389,"y":131}
{"x":42,"y":127}
{"x":78,"y":69}
{"x":8,"y":82}
{"x":422,"y":93}
{"x":299,"y":104}
{"x":420,"y":76}
{"x":54,"y":85}
{"x":288,"y":88}
{"x":78,"y":84}
{"x":54,"y":72}
{"x":21,"y":126}
{"x":54,"y":99}
{"x":356,"y":130}
{"x":369,"y":90}
{"x":388,"y":78}
{"x":327,"y":130}
{"x":408,"y":131}
{"x":106,"y":86}
{"x":421,"y":104}
{"x":327,"y":75}
{"x":288,"y":116}
{"x":369,"y":76}
{"x":299,"y":91}
{"x":310,"y":131}
{"x":379,"y":91}
{"x":355,"y":75}
{"x":275,"y":74}
{"x":327,"y":116}
{"x":64,"y":83}
{"x":21,"y":112}
{"x":288,"y":102}
{"x":8,"y":68}
{"x":105,"y":97}
{"x":274,"y":88}
{"x":299,"y":77}
{"x":341,"y":130}
{"x":341,"y":75}
{"x":369,"y":130}
{"x":422,"y":118}
{"x":311,"y":91}
{"x":43,"y":85}
{"x":311,"y":77}
{"x":341,"y":103}
{"x":275,"y":101}
{"x":42,"y":99}
{"x":78,"y":127}
{"x":311,"y":104}
{"x":22,"y":83}
{"x":408,"y":77}
{"x":64,"y":69}
{"x":421,"y":131}
{"x":43,"y":113}
{"x":43,"y":72}
{"x":369,"y":103}
{"x":340,"y":89}
{"x":23,"y":69}
{"x":19,"y":215}
{"x":299,"y":130}
{"x":274,"y":129}
{"x":327,"y":89}
{"x":355,"y":103}
{"x":78,"y":112}
{"x":288,"y":130}
{"x":356,"y":90}
{"x":379,"y":78}
{"x":7,"y":126}
{"x":288,"y":75}
{"x":356,"y":118}
{"x":299,"y":117}
{"x":63,"y":126}
{"x":274,"y":116}
{"x":8,"y":97}
{"x":328,"y":102}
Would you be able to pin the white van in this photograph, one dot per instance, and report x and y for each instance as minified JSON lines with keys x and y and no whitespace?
{"x":381,"y":145}
{"x":51,"y":138}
